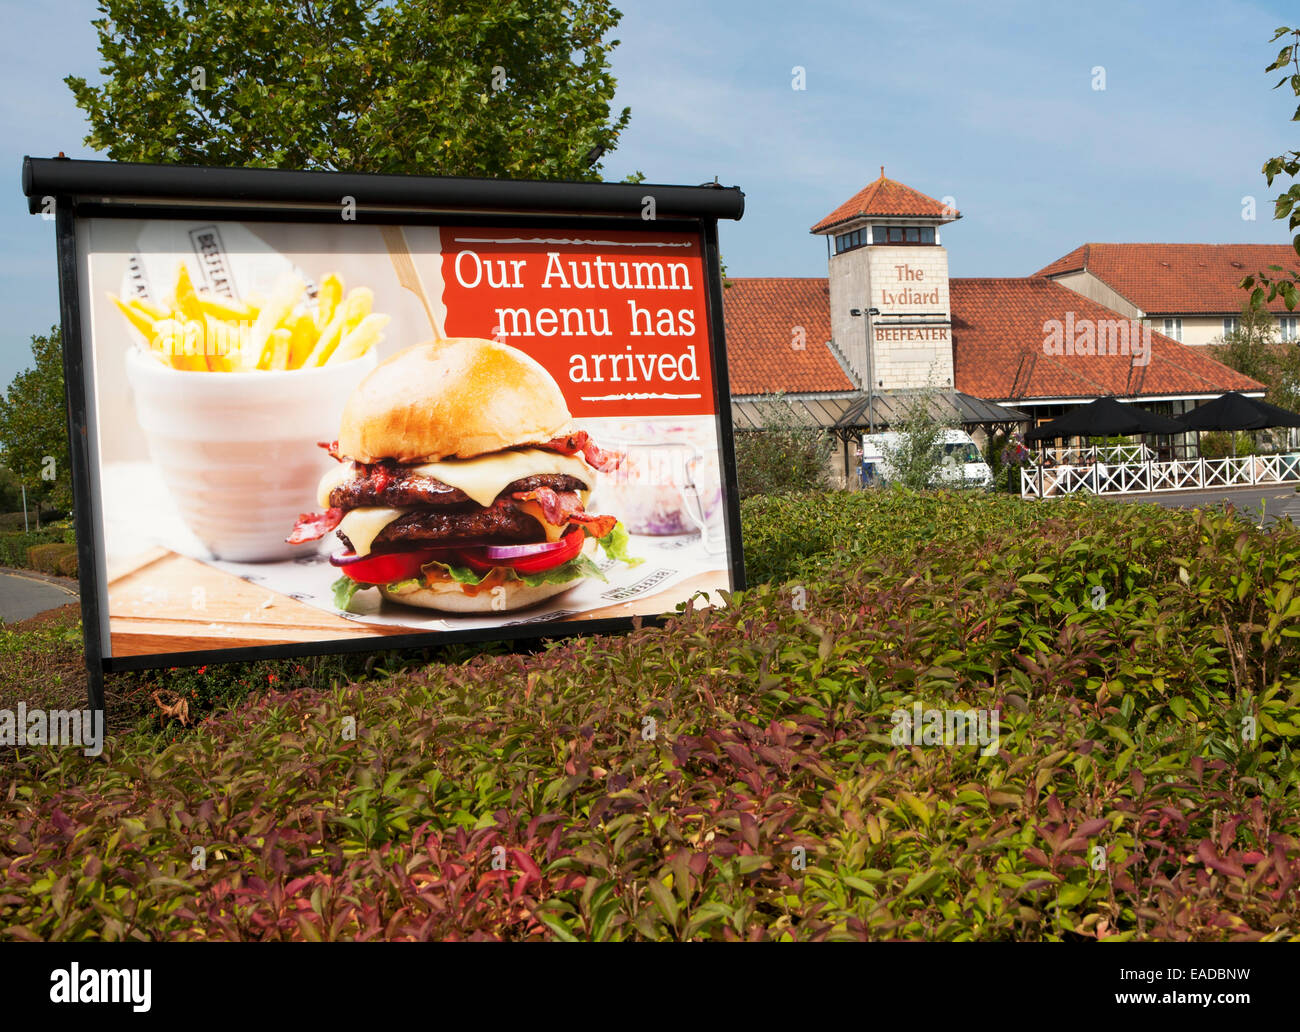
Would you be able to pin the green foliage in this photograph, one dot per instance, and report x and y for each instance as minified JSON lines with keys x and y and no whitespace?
{"x":42,"y":665}
{"x":994,"y":445}
{"x":48,"y":558}
{"x":14,"y":547}
{"x":15,"y":520}
{"x":1287,"y":205}
{"x":916,"y":461}
{"x":788,"y":455}
{"x":1216,"y":444}
{"x":1249,"y":348}
{"x":803,"y":535}
{"x":11,"y":496}
{"x":34,"y":425}
{"x":733,"y":775}
{"x":1006,"y":455}
{"x":508,"y":88}
{"x":1253,"y":349}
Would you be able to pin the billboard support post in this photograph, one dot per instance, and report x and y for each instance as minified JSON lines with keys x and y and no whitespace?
{"x":74,"y":380}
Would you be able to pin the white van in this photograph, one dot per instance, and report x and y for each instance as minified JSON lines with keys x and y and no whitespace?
{"x":963,"y":465}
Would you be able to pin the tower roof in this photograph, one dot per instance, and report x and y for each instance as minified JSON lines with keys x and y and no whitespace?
{"x":886,"y":198}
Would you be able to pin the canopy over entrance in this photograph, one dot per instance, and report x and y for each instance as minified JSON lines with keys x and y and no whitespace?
{"x":851,"y":414}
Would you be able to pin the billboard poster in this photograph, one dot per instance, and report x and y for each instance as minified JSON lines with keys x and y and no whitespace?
{"x":310,"y":432}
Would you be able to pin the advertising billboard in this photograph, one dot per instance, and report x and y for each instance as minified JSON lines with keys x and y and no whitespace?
{"x":310,"y":427}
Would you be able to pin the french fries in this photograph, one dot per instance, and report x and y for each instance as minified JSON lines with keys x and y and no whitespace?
{"x":355,"y":307}
{"x":359,"y":339}
{"x":196,"y":331}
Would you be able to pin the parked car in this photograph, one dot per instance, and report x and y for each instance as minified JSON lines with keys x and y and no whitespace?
{"x":963,"y":465}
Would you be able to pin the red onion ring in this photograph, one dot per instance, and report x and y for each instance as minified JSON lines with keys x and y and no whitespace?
{"x":522,"y":551}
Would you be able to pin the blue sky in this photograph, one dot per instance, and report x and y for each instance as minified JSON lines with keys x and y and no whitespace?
{"x":992,"y":104}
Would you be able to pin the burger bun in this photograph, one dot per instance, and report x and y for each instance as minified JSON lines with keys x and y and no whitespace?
{"x":456,"y":398}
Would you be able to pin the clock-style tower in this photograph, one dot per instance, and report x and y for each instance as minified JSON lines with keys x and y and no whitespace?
{"x":887,"y":263}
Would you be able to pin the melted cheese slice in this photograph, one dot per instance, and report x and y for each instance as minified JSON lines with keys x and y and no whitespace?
{"x":486,"y":477}
{"x":336,"y":476}
{"x":363,"y":525}
{"x":482,"y":478}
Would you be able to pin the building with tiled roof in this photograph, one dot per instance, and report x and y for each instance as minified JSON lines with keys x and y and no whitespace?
{"x":778,"y":341}
{"x":888,"y":321}
{"x":999,"y":354}
{"x":1189,"y":292}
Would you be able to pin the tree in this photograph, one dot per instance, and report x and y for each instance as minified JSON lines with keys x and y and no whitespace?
{"x":789,"y":454}
{"x":504,"y":88}
{"x":1252,"y":349}
{"x":917,"y":460}
{"x":1286,"y":206}
{"x":11,"y":491}
{"x":34,"y":425}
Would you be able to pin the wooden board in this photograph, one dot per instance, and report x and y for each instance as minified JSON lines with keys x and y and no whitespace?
{"x":161,"y":602}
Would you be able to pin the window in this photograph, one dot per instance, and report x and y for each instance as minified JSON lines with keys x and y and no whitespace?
{"x":1174,"y":328}
{"x":1287,"y":327}
{"x":962,"y":452}
{"x":848,"y":241}
{"x":1230,"y":325}
{"x":902,"y":235}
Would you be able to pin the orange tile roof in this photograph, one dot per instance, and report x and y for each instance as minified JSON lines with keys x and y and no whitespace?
{"x":761,"y":316}
{"x":1178,"y":279}
{"x":997,"y":337}
{"x":997,"y":328}
{"x":885,"y":198}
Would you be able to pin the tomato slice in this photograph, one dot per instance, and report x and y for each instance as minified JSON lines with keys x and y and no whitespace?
{"x":391,"y":566}
{"x":477,"y":561}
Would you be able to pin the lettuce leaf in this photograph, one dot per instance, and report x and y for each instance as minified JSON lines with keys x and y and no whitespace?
{"x":577,"y":567}
{"x":344,"y":588}
{"x":615,"y":545}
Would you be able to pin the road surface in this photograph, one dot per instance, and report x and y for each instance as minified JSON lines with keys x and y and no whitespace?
{"x":1278,"y":500}
{"x":22,"y":596}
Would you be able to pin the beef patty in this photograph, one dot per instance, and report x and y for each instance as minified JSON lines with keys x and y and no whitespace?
{"x":501,"y":523}
{"x":393,"y":486}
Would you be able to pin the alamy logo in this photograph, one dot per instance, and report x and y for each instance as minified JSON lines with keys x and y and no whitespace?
{"x":83,"y":728}
{"x":1097,"y":337}
{"x":119,"y":985}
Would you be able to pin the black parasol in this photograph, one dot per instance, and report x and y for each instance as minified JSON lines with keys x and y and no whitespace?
{"x":1235,"y":411}
{"x":1106,"y":417}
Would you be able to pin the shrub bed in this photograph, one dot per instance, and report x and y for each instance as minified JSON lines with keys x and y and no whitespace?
{"x":798,"y":535}
{"x":15,"y":520}
{"x":47,"y":558}
{"x":15,"y":546}
{"x":735,"y":774}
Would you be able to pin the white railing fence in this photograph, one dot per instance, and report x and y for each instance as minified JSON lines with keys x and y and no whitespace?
{"x":1100,"y":474}
{"x":1094,"y":453}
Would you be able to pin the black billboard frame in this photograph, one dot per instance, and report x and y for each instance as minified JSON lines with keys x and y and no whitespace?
{"x":77,"y":190}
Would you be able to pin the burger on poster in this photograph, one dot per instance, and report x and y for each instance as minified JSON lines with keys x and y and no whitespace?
{"x":462,"y":484}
